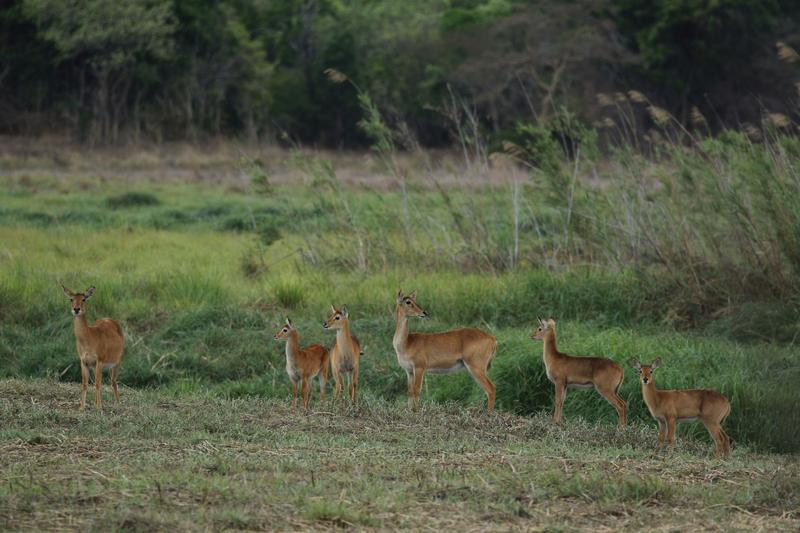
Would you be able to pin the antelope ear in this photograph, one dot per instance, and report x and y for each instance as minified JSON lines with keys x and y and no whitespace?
{"x":399,"y":296}
{"x":289,"y":321}
{"x":88,"y":293}
{"x":333,"y":309}
{"x":635,"y":364}
{"x":656,"y":363}
{"x":66,"y":290}
{"x":344,"y":310}
{"x":413,"y":296}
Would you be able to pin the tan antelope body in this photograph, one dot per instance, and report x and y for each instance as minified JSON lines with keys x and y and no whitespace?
{"x":671,"y":406}
{"x":345,"y":353}
{"x":100,"y":346}
{"x":567,"y":371}
{"x":449,"y":351}
{"x":303,"y":364}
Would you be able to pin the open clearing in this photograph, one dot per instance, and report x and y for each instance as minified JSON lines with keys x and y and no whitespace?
{"x":160,"y":460}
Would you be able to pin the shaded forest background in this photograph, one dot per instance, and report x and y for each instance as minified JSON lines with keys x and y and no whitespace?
{"x":104,"y":71}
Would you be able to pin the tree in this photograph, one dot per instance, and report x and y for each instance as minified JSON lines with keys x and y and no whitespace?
{"x":106,"y":38}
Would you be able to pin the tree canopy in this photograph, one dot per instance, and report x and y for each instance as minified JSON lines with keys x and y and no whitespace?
{"x":108,"y":71}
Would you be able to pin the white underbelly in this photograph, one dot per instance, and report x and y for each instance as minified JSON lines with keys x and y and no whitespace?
{"x":448,"y":370}
{"x":687,"y":419}
{"x":106,"y":366}
{"x":580,"y":385}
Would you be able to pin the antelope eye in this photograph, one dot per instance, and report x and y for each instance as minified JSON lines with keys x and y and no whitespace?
{"x":408,"y":302}
{"x":337,"y":317}
{"x":285,"y":330}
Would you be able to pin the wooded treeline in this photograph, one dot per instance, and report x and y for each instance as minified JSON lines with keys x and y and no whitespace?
{"x":110,"y":71}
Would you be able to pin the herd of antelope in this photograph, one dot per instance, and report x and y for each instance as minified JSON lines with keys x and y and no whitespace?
{"x":101,"y":346}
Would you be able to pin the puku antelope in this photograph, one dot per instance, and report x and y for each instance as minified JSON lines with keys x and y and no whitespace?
{"x":303,"y":364}
{"x":445,"y":352}
{"x":345,"y":352}
{"x":671,"y":406}
{"x":100,"y":345}
{"x":567,"y":371}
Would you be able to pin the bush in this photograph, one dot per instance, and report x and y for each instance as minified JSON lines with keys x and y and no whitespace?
{"x":132,"y":199}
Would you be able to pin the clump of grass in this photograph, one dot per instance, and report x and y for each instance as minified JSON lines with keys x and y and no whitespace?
{"x":132,"y":199}
{"x":287,"y":293}
{"x":337,"y":514}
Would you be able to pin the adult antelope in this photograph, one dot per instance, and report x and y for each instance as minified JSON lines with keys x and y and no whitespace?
{"x":345,"y":353}
{"x":671,"y":406}
{"x":99,"y":345}
{"x":303,"y":364}
{"x":567,"y":371}
{"x":445,"y":352}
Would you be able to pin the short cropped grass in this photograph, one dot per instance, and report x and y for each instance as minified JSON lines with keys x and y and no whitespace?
{"x":176,"y":460}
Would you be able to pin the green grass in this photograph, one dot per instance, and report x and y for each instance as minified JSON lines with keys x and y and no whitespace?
{"x":175,"y":460}
{"x":196,"y":315}
{"x":201,"y":276}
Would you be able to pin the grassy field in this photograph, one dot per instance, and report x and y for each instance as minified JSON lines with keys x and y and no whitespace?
{"x":201,"y":273}
{"x":160,"y":460}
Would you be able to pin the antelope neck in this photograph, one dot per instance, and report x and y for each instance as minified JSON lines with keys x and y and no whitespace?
{"x":81,"y":328}
{"x":344,"y":339}
{"x":649,"y":392}
{"x":401,"y":330}
{"x":292,"y":346}
{"x":550,"y":348}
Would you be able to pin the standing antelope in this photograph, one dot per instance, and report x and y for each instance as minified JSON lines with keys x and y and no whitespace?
{"x":304,"y":364}
{"x":671,"y":406}
{"x":345,"y":352}
{"x":444,"y":352}
{"x":567,"y":371}
{"x":100,"y":345}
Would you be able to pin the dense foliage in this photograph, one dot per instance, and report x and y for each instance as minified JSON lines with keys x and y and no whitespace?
{"x":108,"y":71}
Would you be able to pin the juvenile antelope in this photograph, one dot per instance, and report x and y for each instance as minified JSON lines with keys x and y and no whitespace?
{"x":449,"y":351}
{"x":303,"y":364}
{"x":671,"y":406}
{"x":345,"y":352}
{"x":567,"y":371}
{"x":99,"y":345}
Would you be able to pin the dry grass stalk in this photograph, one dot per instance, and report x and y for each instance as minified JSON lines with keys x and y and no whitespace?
{"x":778,"y":120}
{"x":659,"y":115}
{"x":637,"y":97}
{"x":787,"y":53}
{"x":335,"y":76}
{"x":604,"y":100}
{"x":697,"y":117}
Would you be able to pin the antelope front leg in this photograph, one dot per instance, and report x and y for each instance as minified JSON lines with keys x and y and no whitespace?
{"x":419,"y":374}
{"x":354,"y":386}
{"x":410,"y":387}
{"x":662,"y":433}
{"x":323,"y":385}
{"x":84,"y":384}
{"x":561,"y":393}
{"x":671,"y":432}
{"x":306,"y":392}
{"x":294,"y":394}
{"x":337,"y":384}
{"x":98,"y":384}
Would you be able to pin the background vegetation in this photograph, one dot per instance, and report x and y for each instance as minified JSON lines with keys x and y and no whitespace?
{"x":110,"y":72}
